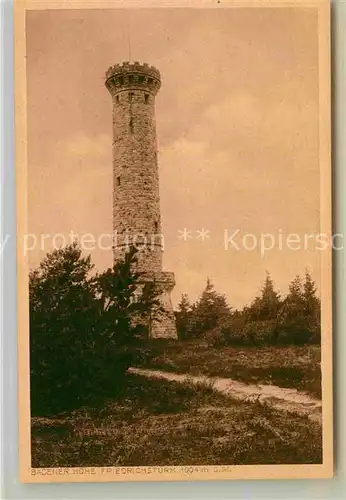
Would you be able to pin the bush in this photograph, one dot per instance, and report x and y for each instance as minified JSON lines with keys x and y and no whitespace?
{"x":228,"y":332}
{"x":237,"y":331}
{"x":215,"y":338}
{"x":296,"y":330}
{"x":260,"y":332}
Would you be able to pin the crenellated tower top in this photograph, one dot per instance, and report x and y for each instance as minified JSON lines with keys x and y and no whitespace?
{"x":128,"y":75}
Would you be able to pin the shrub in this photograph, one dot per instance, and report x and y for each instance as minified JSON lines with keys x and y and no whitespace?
{"x":295,"y":330}
{"x":260,"y":332}
{"x":230,"y":331}
{"x":215,"y":338}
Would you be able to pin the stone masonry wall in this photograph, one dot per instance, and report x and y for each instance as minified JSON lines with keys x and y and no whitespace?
{"x":136,"y":200}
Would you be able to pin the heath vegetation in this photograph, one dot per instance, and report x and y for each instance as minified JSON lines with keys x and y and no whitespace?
{"x":87,"y":329}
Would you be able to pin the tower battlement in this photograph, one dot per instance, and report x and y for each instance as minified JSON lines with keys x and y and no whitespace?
{"x":133,"y":76}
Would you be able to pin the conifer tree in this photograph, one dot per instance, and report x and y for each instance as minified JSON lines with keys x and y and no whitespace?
{"x":211,"y":308}
{"x":294,"y":302}
{"x":183,"y":317}
{"x":293,"y":322}
{"x":84,"y":331}
{"x":267,"y":305}
{"x":311,"y":301}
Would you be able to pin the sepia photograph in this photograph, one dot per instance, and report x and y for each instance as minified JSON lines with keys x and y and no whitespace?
{"x":174,"y":240}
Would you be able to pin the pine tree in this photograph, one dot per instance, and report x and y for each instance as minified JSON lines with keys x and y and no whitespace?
{"x":311,"y":301}
{"x":312,"y":308}
{"x":267,"y":305}
{"x":294,"y":302}
{"x":211,"y":308}
{"x":84,"y":331}
{"x":295,"y":289}
{"x":183,"y":317}
{"x":60,"y":294}
{"x":124,"y":308}
{"x":61,"y":301}
{"x":293,"y":322}
{"x":184,"y":305}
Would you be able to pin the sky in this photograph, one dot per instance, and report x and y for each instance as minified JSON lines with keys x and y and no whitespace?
{"x":237,"y":126}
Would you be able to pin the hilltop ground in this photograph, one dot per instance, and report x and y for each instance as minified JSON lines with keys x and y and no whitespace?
{"x":155,"y":422}
{"x":159,"y":422}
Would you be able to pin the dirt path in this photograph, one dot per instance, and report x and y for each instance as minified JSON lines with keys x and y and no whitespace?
{"x":280,"y":398}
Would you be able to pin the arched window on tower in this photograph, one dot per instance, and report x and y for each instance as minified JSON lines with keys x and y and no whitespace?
{"x":118,"y":181}
{"x":146,"y":98}
{"x":156,"y":226}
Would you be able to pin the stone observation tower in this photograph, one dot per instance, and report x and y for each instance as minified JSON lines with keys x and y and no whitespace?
{"x":136,"y":201}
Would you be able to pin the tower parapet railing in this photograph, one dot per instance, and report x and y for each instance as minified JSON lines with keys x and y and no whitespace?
{"x":133,"y":75}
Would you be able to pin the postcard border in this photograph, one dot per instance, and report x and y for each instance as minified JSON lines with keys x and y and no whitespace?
{"x":178,"y":473}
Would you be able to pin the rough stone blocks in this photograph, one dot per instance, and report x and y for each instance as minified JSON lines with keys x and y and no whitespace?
{"x":136,"y":200}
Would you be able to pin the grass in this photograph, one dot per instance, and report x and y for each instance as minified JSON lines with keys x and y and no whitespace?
{"x":294,"y":367}
{"x":155,"y":422}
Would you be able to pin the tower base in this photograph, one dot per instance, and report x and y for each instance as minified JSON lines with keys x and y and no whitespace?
{"x":165,"y":327}
{"x":162,"y":324}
